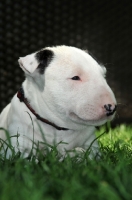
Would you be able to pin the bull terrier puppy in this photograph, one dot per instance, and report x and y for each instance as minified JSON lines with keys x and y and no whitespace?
{"x":63,"y":98}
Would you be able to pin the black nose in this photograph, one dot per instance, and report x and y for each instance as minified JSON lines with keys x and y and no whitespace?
{"x":110,"y":109}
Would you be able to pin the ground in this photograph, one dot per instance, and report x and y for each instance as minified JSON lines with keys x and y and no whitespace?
{"x":77,"y":178}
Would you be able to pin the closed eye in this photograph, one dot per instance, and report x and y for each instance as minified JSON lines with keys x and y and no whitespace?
{"x":76,"y":78}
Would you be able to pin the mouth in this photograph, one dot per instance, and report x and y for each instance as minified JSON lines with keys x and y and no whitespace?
{"x":93,"y":122}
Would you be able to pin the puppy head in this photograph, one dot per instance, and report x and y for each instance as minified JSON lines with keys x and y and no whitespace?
{"x":74,"y":84}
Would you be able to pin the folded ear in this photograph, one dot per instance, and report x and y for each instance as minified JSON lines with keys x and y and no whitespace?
{"x":39,"y":60}
{"x":28,"y":63}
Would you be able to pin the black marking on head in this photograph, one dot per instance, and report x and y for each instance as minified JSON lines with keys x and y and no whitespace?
{"x":44,"y":57}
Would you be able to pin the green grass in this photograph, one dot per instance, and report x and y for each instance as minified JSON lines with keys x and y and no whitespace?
{"x":109,"y":178}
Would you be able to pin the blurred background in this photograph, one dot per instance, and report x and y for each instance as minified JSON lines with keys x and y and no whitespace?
{"x":102,"y":27}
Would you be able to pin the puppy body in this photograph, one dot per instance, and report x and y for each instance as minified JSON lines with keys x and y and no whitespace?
{"x":67,"y":87}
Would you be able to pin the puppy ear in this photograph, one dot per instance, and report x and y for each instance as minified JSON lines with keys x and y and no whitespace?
{"x":36,"y":61}
{"x":44,"y":57}
{"x":28,"y":63}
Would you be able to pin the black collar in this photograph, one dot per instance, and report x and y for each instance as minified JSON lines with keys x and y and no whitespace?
{"x":22,"y":98}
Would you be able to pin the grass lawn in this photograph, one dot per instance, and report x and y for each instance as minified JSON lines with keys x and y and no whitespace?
{"x":109,"y":178}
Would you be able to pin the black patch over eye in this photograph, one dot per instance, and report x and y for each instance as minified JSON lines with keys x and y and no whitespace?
{"x":76,"y":78}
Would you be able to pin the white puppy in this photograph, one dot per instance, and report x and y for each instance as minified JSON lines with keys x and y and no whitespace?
{"x":63,"y":98}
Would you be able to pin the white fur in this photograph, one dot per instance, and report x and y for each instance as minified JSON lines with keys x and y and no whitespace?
{"x":76,"y":105}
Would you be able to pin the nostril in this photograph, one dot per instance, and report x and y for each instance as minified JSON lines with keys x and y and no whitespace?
{"x":110,"y":110}
{"x":108,"y":107}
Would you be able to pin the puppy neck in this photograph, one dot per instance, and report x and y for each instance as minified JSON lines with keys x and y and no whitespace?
{"x":23,"y":99}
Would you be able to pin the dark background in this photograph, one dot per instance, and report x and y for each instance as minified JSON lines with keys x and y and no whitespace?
{"x":103,"y":27}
